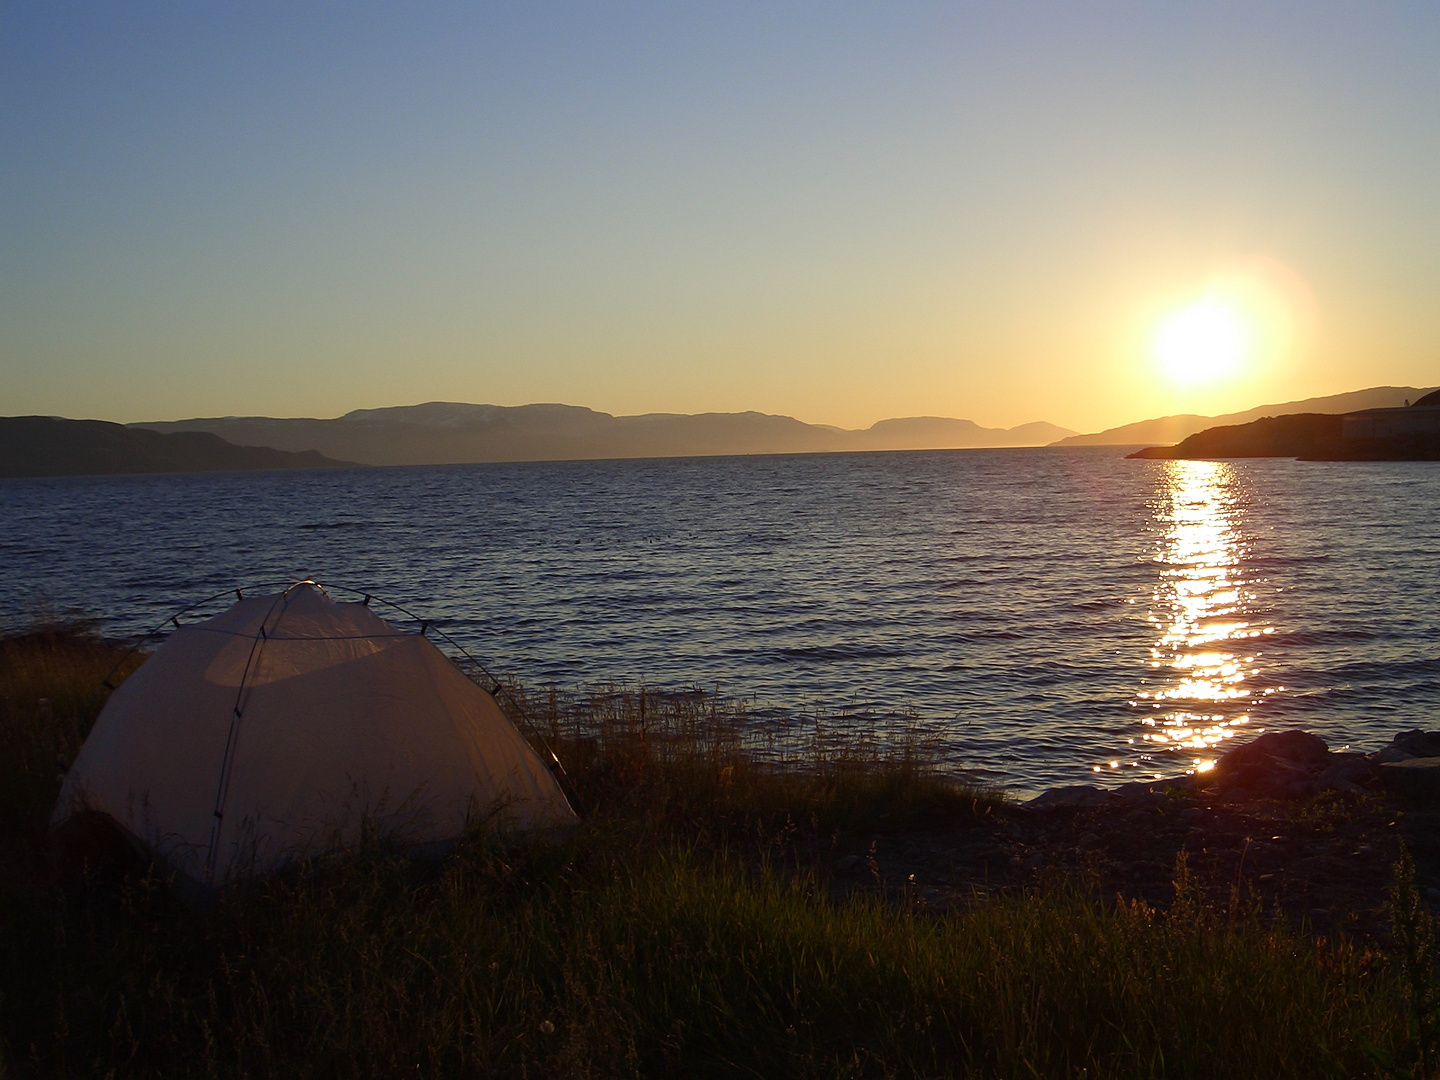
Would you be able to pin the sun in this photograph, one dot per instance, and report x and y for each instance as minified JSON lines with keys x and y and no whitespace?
{"x":1204,"y":342}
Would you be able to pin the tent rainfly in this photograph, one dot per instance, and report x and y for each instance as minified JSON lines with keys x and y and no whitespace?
{"x":286,"y":724}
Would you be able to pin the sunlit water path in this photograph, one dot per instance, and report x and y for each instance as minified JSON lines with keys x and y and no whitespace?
{"x":1206,"y":612}
{"x":1047,"y":614}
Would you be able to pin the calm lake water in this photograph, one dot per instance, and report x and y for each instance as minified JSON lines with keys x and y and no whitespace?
{"x":1046,"y":613}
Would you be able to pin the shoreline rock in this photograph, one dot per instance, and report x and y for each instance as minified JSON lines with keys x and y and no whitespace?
{"x":1291,"y":764}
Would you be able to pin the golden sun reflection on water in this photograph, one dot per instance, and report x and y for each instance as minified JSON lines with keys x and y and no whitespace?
{"x":1201,"y":611}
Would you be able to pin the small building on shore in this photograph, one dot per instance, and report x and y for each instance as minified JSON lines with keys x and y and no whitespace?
{"x":1391,"y":423}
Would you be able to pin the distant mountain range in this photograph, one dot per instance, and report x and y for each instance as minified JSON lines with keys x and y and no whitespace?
{"x":453,"y":433}
{"x":440,"y":433}
{"x":1172,"y":429}
{"x":51,"y":446}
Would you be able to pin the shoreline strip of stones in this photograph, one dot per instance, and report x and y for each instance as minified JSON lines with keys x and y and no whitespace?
{"x":1290,"y":765}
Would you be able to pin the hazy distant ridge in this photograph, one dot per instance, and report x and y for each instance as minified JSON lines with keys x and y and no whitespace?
{"x":453,"y":433}
{"x":1172,"y":429}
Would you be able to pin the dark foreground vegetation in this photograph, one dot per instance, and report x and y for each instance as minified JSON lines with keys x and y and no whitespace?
{"x":691,"y":926}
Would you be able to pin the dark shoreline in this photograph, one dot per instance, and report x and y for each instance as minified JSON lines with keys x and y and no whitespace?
{"x":1306,"y":436}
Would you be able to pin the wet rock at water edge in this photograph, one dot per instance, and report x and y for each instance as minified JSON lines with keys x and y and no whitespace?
{"x":1278,"y":764}
{"x":1290,"y":765}
{"x":1293,"y":747}
{"x":1409,"y":744}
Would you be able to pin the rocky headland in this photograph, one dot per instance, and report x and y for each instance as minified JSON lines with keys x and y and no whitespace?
{"x":1410,"y":433}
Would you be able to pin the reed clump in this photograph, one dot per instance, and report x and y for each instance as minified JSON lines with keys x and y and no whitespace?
{"x":692,"y":764}
{"x":51,"y":680}
{"x":657,"y":939}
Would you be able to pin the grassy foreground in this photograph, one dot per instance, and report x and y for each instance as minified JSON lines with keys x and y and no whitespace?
{"x":687,"y":928}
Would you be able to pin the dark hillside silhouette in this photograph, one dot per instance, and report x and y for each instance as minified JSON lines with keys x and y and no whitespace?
{"x":1308,"y":436}
{"x":52,"y":446}
{"x":1171,"y":429}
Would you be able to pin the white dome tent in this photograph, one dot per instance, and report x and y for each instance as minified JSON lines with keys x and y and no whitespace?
{"x":290,"y":722}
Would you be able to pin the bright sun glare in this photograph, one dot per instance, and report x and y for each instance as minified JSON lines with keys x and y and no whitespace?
{"x":1203,"y":342}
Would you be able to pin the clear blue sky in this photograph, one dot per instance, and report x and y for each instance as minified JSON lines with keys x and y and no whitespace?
{"x":839,"y":212}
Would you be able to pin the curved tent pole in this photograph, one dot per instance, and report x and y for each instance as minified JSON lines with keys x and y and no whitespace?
{"x":227,"y":762}
{"x":494,"y":690}
{"x":175,"y":620}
